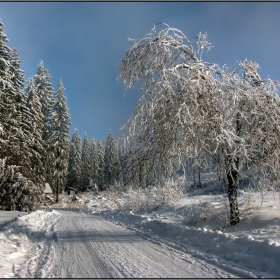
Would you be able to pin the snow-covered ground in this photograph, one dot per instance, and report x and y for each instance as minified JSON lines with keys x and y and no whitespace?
{"x":194,"y":227}
{"x":197,"y":224}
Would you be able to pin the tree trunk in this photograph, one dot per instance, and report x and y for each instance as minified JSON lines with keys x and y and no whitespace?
{"x":194,"y":183}
{"x":232,"y":178}
{"x":57,"y":198}
{"x":199,"y":178}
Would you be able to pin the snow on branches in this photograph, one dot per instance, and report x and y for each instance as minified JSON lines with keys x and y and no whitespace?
{"x":191,"y":107}
{"x":17,"y":192}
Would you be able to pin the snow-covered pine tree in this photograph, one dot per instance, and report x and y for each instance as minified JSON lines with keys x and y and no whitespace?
{"x":9,"y":114}
{"x":75,"y":163}
{"x":111,"y":161}
{"x":18,"y":192}
{"x":58,"y":141}
{"x":36,"y":124}
{"x":100,"y":159}
{"x":45,"y":93}
{"x":11,"y":105}
{"x":93,"y":162}
{"x":86,"y":164}
{"x":23,"y":134}
{"x":191,"y":107}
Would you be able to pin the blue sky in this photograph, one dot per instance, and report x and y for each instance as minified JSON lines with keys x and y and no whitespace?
{"x":83,"y":42}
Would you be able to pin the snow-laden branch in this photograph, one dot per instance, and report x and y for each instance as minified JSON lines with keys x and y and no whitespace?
{"x":191,"y":107}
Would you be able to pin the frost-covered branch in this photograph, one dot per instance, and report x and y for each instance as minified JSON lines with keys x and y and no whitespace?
{"x":190,"y":107}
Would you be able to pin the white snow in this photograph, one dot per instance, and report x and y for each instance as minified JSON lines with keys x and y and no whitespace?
{"x":196,"y":224}
{"x":15,"y":237}
{"x":194,"y":228}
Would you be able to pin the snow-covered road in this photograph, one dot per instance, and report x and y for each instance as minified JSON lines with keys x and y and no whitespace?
{"x":80,"y":245}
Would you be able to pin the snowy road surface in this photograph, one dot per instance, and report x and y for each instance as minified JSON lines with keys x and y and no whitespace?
{"x":77,"y":244}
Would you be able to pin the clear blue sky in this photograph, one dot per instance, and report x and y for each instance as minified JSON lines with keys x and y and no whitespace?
{"x":83,"y":42}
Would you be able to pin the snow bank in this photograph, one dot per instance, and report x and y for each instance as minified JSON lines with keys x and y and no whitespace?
{"x":16,"y":237}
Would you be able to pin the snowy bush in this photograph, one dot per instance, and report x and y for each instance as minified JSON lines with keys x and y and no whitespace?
{"x":138,"y":199}
{"x":196,"y":212}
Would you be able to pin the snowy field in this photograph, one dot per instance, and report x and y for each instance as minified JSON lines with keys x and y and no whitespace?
{"x":195,"y":228}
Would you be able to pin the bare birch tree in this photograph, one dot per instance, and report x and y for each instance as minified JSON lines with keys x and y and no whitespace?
{"x":190,"y":107}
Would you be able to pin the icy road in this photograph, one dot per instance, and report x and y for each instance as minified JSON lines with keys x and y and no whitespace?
{"x":80,"y":245}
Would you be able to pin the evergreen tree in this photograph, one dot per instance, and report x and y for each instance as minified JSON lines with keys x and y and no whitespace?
{"x":100,"y":160}
{"x":23,"y":134}
{"x":36,"y":124}
{"x":75,"y":163}
{"x":86,"y":166}
{"x":58,"y":141}
{"x":17,"y":190}
{"x":16,"y":74}
{"x":8,"y":112}
{"x":93,"y":162}
{"x":13,"y":110}
{"x":111,"y":161}
{"x":45,"y":93}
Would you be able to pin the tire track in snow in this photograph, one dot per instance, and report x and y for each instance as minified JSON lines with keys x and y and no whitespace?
{"x":76,"y":256}
{"x":100,"y":248}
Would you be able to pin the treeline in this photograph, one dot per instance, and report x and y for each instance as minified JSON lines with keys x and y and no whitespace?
{"x":35,"y":149}
{"x":34,"y":128}
{"x":108,"y":164}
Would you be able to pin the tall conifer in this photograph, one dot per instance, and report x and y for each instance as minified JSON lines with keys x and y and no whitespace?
{"x":111,"y":161}
{"x":86,"y":166}
{"x":74,"y":167}
{"x":58,"y":141}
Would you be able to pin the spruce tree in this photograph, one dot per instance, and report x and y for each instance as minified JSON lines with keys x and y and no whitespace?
{"x":25,"y":117}
{"x":86,"y":166}
{"x":17,"y":190}
{"x":8,"y":112}
{"x":58,"y":141}
{"x":75,"y":163}
{"x":100,"y":159}
{"x":111,"y":161}
{"x":93,"y":162}
{"x":45,"y":93}
{"x":37,"y":151}
{"x":13,"y":108}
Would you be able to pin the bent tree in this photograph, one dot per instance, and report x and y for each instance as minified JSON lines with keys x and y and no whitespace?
{"x":190,"y":107}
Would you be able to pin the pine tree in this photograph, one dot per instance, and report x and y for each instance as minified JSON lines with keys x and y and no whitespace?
{"x":111,"y":161}
{"x":23,"y":134}
{"x":17,"y":190}
{"x":36,"y":124}
{"x":100,"y":159}
{"x":75,"y":163}
{"x":45,"y":93}
{"x":13,"y":109}
{"x":93,"y":162}
{"x":8,"y":112}
{"x":58,"y":141}
{"x":86,"y":168}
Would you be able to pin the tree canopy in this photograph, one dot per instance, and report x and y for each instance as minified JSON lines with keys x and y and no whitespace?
{"x":191,"y":107}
